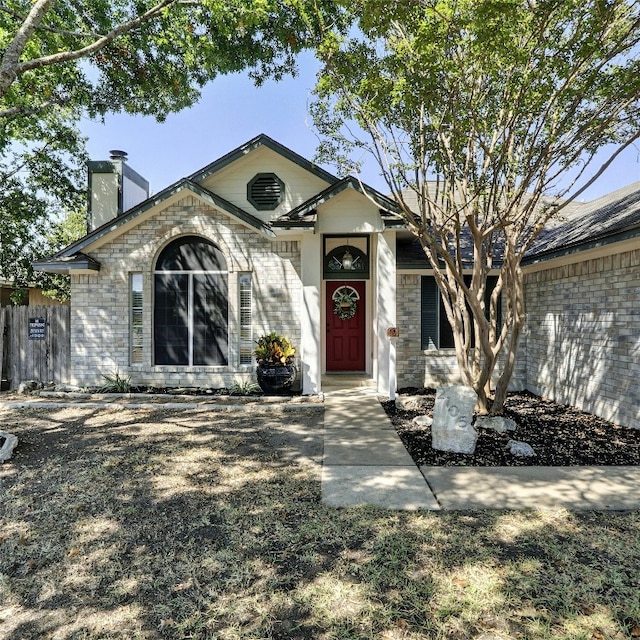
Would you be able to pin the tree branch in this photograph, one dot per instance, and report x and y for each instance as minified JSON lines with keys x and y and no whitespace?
{"x":11,"y":68}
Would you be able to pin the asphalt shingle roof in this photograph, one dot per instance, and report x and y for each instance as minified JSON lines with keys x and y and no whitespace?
{"x":607,"y":219}
{"x":598,"y":221}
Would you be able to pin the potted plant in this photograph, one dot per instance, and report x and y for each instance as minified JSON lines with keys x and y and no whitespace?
{"x":276,"y":370}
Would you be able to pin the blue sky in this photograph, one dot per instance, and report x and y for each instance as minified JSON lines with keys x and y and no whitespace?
{"x":231,"y":112}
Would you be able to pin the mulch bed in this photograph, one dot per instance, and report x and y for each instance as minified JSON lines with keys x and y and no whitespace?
{"x":560,"y":435}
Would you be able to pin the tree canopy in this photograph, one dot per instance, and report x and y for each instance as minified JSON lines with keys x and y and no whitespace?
{"x":62,"y":60}
{"x":485,"y":117}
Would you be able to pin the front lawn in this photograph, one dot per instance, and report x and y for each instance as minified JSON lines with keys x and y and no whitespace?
{"x":187,"y":524}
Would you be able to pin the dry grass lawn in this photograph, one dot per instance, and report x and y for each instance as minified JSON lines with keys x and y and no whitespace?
{"x":190,"y":524}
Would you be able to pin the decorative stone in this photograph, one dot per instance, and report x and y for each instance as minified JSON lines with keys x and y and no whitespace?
{"x":409,"y":403}
{"x":67,"y":388}
{"x":452,"y":415}
{"x":28,"y":386}
{"x":520,"y":449}
{"x":8,"y":443}
{"x":423,"y":421}
{"x":497,"y":423}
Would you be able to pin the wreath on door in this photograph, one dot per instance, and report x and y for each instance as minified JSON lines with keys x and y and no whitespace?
{"x":345,"y":303}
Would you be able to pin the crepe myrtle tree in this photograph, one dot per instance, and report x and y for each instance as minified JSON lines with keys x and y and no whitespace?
{"x":485,"y":119}
{"x":61,"y":60}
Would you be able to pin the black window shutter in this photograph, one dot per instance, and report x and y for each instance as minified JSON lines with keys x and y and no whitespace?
{"x":429,"y":313}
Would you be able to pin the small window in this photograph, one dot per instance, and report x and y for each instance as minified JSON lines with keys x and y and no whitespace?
{"x":246,"y":333}
{"x":135,"y":318}
{"x":265,"y":191}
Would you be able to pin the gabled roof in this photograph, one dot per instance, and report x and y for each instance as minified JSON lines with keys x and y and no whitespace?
{"x":71,"y":257}
{"x":262,"y":140}
{"x":306,"y":214}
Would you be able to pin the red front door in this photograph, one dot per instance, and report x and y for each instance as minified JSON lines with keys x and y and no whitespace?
{"x":346,"y":335}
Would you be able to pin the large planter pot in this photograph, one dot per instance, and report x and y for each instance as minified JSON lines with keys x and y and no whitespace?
{"x":275,"y":379}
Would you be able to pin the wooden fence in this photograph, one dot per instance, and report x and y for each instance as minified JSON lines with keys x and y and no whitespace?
{"x":35,"y":343}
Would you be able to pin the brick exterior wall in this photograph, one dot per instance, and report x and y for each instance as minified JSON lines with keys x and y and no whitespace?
{"x":430,"y":368}
{"x":100,"y":303}
{"x":415,"y":367}
{"x":583,"y":343}
{"x":580,"y":346}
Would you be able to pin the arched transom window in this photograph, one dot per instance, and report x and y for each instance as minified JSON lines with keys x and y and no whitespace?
{"x":191,"y":309}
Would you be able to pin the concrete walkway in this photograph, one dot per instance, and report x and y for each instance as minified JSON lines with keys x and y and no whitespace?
{"x":365,"y":462}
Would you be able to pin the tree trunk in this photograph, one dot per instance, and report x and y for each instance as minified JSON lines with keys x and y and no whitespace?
{"x":516,"y":313}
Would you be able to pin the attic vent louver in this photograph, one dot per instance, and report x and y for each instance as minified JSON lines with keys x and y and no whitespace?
{"x":265,"y":191}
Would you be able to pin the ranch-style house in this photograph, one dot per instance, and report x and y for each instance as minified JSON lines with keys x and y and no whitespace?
{"x":173,"y":289}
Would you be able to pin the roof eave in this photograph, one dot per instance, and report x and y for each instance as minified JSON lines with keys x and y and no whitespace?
{"x":231,"y":209}
{"x":296,"y":224}
{"x":157,"y":200}
{"x":79,"y":263}
{"x":594,"y":243}
{"x":388,"y":208}
{"x":262,"y":140}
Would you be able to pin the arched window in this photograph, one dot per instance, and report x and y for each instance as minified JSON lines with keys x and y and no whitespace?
{"x":191,"y":306}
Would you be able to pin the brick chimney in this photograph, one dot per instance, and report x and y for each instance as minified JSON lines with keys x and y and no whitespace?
{"x":114,"y":187}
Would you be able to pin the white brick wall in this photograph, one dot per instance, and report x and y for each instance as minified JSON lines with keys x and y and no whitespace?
{"x":583,"y":346}
{"x":100,"y":303}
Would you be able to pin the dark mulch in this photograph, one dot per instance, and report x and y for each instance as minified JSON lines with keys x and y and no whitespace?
{"x":560,"y":435}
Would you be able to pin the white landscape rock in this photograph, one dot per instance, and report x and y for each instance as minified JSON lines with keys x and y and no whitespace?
{"x":520,"y":449}
{"x":28,"y":386}
{"x":452,"y":414}
{"x":8,"y":443}
{"x":423,"y":421}
{"x":409,"y":403}
{"x":497,"y":423}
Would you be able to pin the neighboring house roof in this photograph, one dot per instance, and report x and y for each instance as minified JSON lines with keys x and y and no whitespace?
{"x":306,"y":214}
